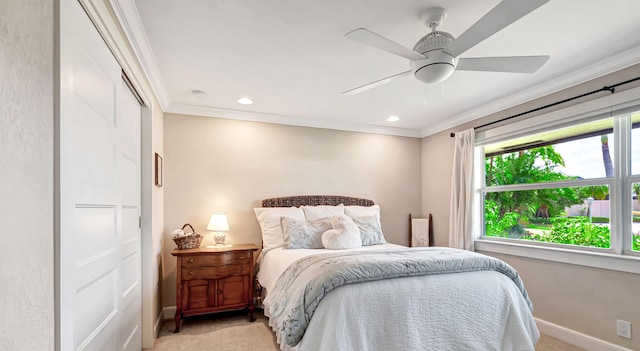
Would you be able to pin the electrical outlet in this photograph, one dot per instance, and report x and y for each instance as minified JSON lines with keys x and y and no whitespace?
{"x":624,"y":329}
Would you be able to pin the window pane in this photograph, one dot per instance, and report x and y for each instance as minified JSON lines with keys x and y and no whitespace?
{"x":558,"y":155}
{"x":573,"y":216}
{"x":588,"y":158}
{"x":635,"y":214}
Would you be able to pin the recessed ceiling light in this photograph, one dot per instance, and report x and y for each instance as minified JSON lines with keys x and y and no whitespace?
{"x":245,"y":101}
{"x":199,"y":94}
{"x":393,"y":119}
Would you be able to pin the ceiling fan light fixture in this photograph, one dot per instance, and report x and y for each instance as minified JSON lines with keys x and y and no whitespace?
{"x":434,"y":57}
{"x":436,"y":40}
{"x":434,"y":73}
{"x":437,"y":67}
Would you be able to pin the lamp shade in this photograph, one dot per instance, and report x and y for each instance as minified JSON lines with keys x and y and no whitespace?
{"x":218,"y":223}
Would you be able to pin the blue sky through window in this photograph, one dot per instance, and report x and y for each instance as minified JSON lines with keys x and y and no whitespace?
{"x":583,"y":158}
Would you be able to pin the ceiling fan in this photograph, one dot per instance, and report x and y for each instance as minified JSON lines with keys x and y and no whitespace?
{"x":435,"y":56}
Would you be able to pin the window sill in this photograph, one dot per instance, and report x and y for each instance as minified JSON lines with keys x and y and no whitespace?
{"x":622,"y":263}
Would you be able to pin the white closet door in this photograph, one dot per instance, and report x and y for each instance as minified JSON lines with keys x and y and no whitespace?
{"x":128,"y":120}
{"x":99,"y":209}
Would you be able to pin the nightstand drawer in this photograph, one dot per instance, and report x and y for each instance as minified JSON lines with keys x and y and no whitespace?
{"x":214,"y":260}
{"x":214,"y":272}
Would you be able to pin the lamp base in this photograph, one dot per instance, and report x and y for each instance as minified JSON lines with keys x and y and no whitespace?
{"x":218,"y":246}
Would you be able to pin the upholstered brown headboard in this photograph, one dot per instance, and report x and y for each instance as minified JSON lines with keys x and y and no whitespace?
{"x":315,"y":200}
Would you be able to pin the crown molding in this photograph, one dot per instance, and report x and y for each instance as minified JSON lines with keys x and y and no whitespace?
{"x":127,"y":15}
{"x":289,"y":120}
{"x":101,"y":18}
{"x":623,"y":60}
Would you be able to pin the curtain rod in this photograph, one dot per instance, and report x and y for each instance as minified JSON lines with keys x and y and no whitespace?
{"x":609,"y":88}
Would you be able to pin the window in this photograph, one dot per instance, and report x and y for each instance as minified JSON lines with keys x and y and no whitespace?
{"x":634,"y":181}
{"x":576,"y":186}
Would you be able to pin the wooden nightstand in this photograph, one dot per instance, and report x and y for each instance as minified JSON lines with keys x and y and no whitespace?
{"x":213,"y":280}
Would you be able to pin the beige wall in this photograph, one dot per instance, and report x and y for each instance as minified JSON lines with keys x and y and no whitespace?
{"x":437,"y":168}
{"x":26,"y":176}
{"x":584,"y":299}
{"x":213,"y":164}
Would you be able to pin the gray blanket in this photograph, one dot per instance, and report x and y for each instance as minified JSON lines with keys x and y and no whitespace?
{"x":302,"y":285}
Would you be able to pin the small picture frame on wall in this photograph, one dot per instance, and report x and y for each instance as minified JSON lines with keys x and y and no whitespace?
{"x":158,"y":170}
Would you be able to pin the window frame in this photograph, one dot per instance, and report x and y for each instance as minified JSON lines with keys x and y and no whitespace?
{"x":620,"y":256}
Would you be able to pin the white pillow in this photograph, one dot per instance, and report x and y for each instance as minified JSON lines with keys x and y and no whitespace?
{"x":302,"y":234}
{"x":361,"y":211}
{"x":269,"y":219}
{"x":344,"y":235}
{"x":370,"y":231}
{"x":314,"y":213}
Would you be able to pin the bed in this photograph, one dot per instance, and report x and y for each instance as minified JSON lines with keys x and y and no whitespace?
{"x":460,"y":307}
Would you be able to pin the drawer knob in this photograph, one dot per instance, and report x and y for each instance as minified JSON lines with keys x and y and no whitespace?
{"x":190,"y":272}
{"x":219,"y":292}
{"x":242,"y":257}
{"x":190,"y":260}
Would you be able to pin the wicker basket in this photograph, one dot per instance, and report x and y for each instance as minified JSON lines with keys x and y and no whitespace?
{"x":191,"y":241}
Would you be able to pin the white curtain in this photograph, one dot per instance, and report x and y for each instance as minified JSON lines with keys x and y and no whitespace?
{"x":460,"y":219}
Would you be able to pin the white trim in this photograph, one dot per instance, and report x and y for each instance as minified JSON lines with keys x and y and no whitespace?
{"x":624,"y":59}
{"x":129,"y":19}
{"x":289,"y":120}
{"x":548,"y":185}
{"x":615,"y":262}
{"x":581,"y":113}
{"x":575,"y":338}
{"x":621,"y":210}
{"x":158,"y":324}
{"x":109,"y":34}
{"x":149,"y":272}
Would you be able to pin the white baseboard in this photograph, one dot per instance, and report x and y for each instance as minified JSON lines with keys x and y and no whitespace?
{"x":573,"y":337}
{"x":158,"y":324}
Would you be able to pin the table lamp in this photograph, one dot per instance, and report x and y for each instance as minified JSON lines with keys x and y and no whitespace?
{"x":218,"y":224}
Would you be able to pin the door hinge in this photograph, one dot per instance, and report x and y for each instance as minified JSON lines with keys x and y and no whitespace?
{"x":139,"y":222}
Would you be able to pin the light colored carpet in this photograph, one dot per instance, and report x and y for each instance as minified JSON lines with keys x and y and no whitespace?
{"x":220,"y":332}
{"x":233,"y":332}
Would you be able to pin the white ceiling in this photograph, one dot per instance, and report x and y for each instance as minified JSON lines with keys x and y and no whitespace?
{"x":292,"y":59}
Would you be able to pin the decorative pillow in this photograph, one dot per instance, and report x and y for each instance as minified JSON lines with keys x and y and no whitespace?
{"x":370,"y":231}
{"x":302,"y":234}
{"x":269,"y":219}
{"x":361,"y":211}
{"x":314,"y":213}
{"x":344,"y":235}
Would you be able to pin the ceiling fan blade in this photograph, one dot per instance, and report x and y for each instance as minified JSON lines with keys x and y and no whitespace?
{"x":504,"y":14}
{"x":514,"y":64}
{"x":370,"y":38}
{"x":376,"y":83}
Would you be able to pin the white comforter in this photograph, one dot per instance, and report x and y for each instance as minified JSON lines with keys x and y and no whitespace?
{"x":461,"y":311}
